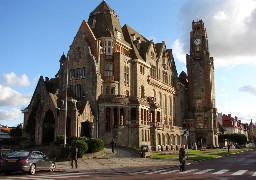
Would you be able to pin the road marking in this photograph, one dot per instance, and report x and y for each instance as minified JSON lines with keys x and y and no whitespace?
{"x":204,"y":171}
{"x":140,"y":172}
{"x":188,"y":171}
{"x":157,"y":171}
{"x":254,"y":174}
{"x":240,"y":172}
{"x":221,"y":171}
{"x":169,"y":172}
{"x":49,"y":177}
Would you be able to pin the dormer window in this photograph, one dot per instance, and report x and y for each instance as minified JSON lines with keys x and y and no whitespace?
{"x":133,"y":36}
{"x":118,"y":35}
{"x":93,"y":23}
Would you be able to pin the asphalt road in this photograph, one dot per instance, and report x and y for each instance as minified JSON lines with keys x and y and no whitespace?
{"x":235,"y":166}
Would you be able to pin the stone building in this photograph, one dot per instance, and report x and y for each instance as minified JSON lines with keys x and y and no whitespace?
{"x":118,"y":84}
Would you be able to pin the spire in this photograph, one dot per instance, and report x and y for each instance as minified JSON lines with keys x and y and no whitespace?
{"x":63,"y":57}
{"x":102,"y":7}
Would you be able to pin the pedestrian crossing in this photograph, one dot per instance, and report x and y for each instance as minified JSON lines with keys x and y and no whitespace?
{"x":144,"y":172}
{"x":196,"y":171}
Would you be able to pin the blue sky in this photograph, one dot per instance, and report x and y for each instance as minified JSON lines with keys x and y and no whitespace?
{"x":34,"y":34}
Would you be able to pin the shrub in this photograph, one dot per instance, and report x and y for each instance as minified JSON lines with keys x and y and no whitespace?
{"x":95,"y":145}
{"x":71,"y":139}
{"x":82,"y":147}
{"x":59,"y":140}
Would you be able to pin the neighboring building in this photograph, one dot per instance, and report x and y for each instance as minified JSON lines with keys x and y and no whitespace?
{"x":233,"y":125}
{"x":5,"y":132}
{"x":118,"y":84}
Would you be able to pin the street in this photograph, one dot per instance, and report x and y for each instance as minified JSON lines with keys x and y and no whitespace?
{"x":234,"y":166}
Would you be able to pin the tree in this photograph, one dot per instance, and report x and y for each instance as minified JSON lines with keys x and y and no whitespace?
{"x":16,"y":132}
{"x":240,"y":139}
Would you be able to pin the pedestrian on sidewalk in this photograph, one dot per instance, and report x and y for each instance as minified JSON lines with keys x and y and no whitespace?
{"x":73,"y":155}
{"x":182,"y":159}
{"x":228,"y":148}
{"x":113,"y":145}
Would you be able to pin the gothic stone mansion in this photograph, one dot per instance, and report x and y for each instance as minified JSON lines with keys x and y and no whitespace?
{"x":115,"y":83}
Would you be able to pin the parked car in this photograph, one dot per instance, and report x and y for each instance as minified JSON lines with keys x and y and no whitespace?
{"x":27,"y":161}
{"x":3,"y":153}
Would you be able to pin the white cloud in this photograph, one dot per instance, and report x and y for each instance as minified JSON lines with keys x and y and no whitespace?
{"x":10,"y":97}
{"x":178,"y":51}
{"x":230,"y":26}
{"x":220,"y":15}
{"x":248,"y":89}
{"x":244,"y":112}
{"x":13,"y":114}
{"x":11,"y":79}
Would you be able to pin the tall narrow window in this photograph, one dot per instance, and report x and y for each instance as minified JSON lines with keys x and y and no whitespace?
{"x":142,"y":92}
{"x":125,"y":75}
{"x":108,"y":68}
{"x":108,"y":47}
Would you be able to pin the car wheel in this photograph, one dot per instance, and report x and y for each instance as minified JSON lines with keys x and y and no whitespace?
{"x":32,"y":169}
{"x":52,"y":168}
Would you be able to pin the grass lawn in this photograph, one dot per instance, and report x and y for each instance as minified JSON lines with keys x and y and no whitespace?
{"x":195,"y":155}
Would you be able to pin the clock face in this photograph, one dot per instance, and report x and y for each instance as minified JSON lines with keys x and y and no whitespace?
{"x":197,"y":41}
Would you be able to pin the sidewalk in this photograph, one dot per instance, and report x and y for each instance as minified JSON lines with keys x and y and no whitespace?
{"x":120,"y":161}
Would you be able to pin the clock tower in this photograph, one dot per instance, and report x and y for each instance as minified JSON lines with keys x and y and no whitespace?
{"x":202,"y":113}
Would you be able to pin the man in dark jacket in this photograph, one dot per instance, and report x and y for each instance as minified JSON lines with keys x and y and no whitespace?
{"x":73,"y":155}
{"x":113,"y":145}
{"x":182,"y":159}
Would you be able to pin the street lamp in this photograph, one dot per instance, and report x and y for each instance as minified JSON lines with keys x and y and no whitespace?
{"x":66,"y":106}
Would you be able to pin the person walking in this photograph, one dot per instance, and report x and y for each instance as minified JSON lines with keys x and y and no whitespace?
{"x":73,"y":155}
{"x":113,"y":145}
{"x":182,"y":159}
{"x":228,"y":148}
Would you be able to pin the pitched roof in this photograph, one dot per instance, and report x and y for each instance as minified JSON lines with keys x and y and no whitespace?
{"x":139,"y":43}
{"x":105,"y":23}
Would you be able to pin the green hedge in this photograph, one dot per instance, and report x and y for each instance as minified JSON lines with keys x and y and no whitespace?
{"x":82,"y":147}
{"x":95,"y":145}
{"x":84,"y":144}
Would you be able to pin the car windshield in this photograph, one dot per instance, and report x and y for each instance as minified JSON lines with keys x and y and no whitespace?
{"x":20,"y":154}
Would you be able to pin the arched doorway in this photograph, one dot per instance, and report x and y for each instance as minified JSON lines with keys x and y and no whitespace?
{"x":201,"y":142}
{"x":86,"y":129}
{"x":48,"y":134}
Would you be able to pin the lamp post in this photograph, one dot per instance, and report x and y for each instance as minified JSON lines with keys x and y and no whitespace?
{"x":66,"y":106}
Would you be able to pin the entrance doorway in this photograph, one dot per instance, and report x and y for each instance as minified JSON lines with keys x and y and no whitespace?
{"x":48,"y":127}
{"x":201,"y":142}
{"x":86,"y":129}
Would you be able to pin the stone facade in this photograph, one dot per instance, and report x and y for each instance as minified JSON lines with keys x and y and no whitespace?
{"x":118,"y":84}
